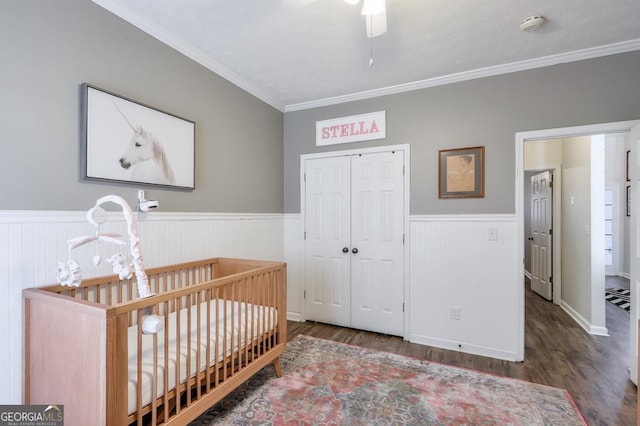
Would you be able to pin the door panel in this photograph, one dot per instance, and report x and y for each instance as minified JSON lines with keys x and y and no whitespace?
{"x":377,"y":233}
{"x":541,"y":224}
{"x":328,"y":212}
{"x":633,"y":143}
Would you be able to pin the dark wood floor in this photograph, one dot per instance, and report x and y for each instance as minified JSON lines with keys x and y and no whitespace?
{"x":558,"y":353}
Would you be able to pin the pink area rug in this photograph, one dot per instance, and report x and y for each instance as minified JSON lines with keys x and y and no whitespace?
{"x":329,"y":383}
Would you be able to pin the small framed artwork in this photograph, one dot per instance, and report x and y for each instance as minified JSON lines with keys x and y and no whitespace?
{"x":628,"y":177}
{"x":461,"y":173}
{"x":125,"y":141}
{"x":628,"y":200}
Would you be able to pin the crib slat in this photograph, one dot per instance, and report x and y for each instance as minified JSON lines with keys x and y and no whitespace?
{"x":198,"y":343}
{"x":178,"y":345}
{"x":165,"y":392}
{"x":139,"y":372}
{"x":154,"y":380}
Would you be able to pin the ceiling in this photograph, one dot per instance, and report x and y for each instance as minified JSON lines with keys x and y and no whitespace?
{"x":298,"y":54}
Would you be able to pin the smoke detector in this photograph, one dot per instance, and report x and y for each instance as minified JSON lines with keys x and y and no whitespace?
{"x":532,"y":23}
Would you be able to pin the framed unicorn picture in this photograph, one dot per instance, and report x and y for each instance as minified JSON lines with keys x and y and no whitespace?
{"x":125,"y":141}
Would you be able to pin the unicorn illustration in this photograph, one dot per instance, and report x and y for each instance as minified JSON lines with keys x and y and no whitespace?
{"x":145,"y":157}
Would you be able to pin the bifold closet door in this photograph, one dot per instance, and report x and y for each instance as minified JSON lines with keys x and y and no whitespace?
{"x":328,"y":254}
{"x":354,"y":255}
{"x":377,"y":232}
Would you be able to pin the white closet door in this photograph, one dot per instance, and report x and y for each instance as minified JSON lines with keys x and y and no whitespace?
{"x":327,"y":217}
{"x":377,"y":230}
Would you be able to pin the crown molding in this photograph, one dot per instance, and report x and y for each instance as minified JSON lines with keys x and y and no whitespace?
{"x":545,"y":61}
{"x":190,"y":52}
{"x":206,"y":61}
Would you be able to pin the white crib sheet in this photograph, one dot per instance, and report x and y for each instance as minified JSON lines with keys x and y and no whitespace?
{"x":253,"y":319}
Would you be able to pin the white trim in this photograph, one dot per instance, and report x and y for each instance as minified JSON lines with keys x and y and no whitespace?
{"x":189,"y":51}
{"x":545,"y":61}
{"x":406,"y":148}
{"x":582,"y":322}
{"x":382,"y":148}
{"x":45,"y":216}
{"x":520,"y":138}
{"x":466,"y":347}
{"x":205,"y":60}
{"x":464,"y":218}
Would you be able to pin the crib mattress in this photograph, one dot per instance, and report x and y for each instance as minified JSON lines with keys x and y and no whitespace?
{"x":255,"y":319}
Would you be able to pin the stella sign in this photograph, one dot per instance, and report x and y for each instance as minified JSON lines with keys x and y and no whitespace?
{"x":355,"y":128}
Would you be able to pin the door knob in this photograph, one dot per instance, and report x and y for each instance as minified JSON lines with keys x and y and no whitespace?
{"x":354,"y":251}
{"x":530,"y":238}
{"x":345,"y":249}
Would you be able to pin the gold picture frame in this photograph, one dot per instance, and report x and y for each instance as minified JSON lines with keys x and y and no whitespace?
{"x":461,"y":173}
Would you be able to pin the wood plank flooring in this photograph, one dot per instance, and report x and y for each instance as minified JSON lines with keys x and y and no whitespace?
{"x":558,"y":353}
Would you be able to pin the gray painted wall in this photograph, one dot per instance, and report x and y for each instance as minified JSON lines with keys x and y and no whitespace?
{"x":50,"y":47}
{"x":487,"y":112}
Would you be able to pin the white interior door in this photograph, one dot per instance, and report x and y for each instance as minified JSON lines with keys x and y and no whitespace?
{"x":377,"y":232}
{"x":327,"y":224}
{"x":541,"y":225}
{"x":633,"y":142}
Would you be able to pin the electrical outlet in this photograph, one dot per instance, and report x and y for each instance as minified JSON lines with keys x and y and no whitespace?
{"x":492,"y":233}
{"x":455,"y":313}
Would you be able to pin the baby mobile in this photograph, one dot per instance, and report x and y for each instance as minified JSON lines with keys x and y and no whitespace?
{"x":69,"y":272}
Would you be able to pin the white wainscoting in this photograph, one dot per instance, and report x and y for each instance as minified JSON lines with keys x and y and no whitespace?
{"x":31,"y":242}
{"x":454,"y":264}
{"x":294,"y":256}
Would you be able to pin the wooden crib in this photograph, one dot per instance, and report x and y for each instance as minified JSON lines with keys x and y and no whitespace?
{"x":223,"y":320}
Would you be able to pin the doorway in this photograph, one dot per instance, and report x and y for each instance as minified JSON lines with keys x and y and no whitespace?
{"x":594,"y":294}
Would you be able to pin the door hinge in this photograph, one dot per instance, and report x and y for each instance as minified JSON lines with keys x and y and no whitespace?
{"x":551,"y":279}
{"x":550,"y":231}
{"x":402,"y":170}
{"x":402,"y":306}
{"x":402,"y":238}
{"x":551,"y":184}
{"x":305,"y":235}
{"x":304,"y":178}
{"x":304,"y":294}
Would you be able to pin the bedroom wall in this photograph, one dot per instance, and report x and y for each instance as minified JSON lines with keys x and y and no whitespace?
{"x":488,"y":111}
{"x":50,"y":48}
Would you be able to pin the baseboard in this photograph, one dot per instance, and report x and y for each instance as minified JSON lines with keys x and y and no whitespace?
{"x":294,"y":316}
{"x":582,"y":322}
{"x":464,"y":347}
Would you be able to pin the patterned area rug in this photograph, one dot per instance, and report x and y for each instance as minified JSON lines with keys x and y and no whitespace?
{"x":619,"y":297}
{"x":331,"y":383}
